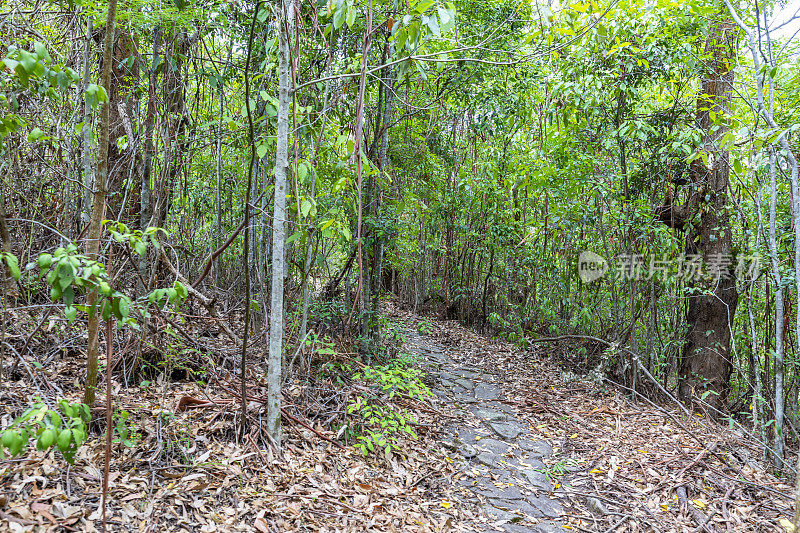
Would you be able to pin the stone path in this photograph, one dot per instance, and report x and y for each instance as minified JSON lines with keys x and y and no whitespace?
{"x":500,"y":463}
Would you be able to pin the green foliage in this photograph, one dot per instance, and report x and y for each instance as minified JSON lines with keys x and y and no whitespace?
{"x":136,"y":239}
{"x":424,"y":327}
{"x":559,"y":468}
{"x":125,"y":429}
{"x":395,"y":378}
{"x":37,"y":66}
{"x":174,"y":295}
{"x":65,"y":429}
{"x":12,"y":263}
{"x":379,"y":423}
{"x":68,"y":273}
{"x":379,"y":426}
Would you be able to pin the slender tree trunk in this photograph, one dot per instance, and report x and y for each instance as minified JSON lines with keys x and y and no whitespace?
{"x":8,"y":288}
{"x":767,"y":113}
{"x":309,"y":261}
{"x":88,"y":178}
{"x":285,"y":33}
{"x":362,"y":81}
{"x":99,"y":209}
{"x":779,"y":320}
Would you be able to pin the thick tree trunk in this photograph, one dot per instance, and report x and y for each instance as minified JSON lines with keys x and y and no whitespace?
{"x":122,"y":202}
{"x":705,"y":367}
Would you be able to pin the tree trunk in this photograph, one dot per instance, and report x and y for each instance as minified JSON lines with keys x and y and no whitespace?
{"x":779,"y":314}
{"x":88,"y":178}
{"x":286,"y":30}
{"x":705,"y":366}
{"x":99,"y":209}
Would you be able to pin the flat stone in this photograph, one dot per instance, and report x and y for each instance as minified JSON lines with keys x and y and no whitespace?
{"x":469,"y":434}
{"x":527,"y":463}
{"x":506,"y":430}
{"x":487,"y":391}
{"x":521,"y":506}
{"x":469,"y":374}
{"x":490,"y":414}
{"x":487,"y":488}
{"x":466,"y":383}
{"x":549,"y":508}
{"x":536,"y":479}
{"x":536,"y":448}
{"x":498,"y":514}
{"x":448,"y":375}
{"x":487,"y":457}
{"x":438,"y":357}
{"x":468,"y":451}
{"x":465,"y":398}
{"x":546,"y":527}
{"x":518,"y":528}
{"x":493,"y":445}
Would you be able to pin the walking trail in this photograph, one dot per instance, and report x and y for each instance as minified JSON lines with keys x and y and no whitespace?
{"x":500,"y":464}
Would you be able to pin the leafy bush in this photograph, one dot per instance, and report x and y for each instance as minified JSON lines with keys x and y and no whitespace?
{"x":65,"y":430}
{"x":379,"y":423}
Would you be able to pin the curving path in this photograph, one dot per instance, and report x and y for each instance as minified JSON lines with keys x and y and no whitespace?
{"x":500,"y":462}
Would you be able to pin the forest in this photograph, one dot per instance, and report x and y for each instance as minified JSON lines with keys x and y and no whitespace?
{"x":399,"y":265}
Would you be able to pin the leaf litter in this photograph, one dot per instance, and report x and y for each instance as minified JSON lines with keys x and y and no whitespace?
{"x":618,"y":464}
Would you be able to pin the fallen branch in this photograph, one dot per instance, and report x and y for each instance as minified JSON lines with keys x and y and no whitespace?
{"x":617,"y":346}
{"x":216,"y":253}
{"x":187,"y":402}
{"x":204,"y":300}
{"x":698,"y":516}
{"x":317,"y":433}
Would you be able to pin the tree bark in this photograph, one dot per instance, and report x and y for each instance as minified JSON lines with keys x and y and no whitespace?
{"x":285,"y":32}
{"x":705,"y":367}
{"x":99,"y":208}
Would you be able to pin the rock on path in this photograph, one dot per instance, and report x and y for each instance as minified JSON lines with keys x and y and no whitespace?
{"x":500,"y":463}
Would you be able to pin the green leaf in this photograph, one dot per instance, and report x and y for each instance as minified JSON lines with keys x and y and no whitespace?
{"x":423,"y":5}
{"x":41,"y":51}
{"x":11,"y":64}
{"x":433,"y":25}
{"x":445,"y":18}
{"x":28,"y":61}
{"x":35,"y":135}
{"x":70,"y":313}
{"x":13,"y":266}
{"x":182,"y":291}
{"x":400,"y":38}
{"x":65,"y":274}
{"x":124,"y":306}
{"x":64,"y":439}
{"x":294,"y":236}
{"x":68,"y":295}
{"x":305,"y":207}
{"x":302,"y":171}
{"x":339,"y":16}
